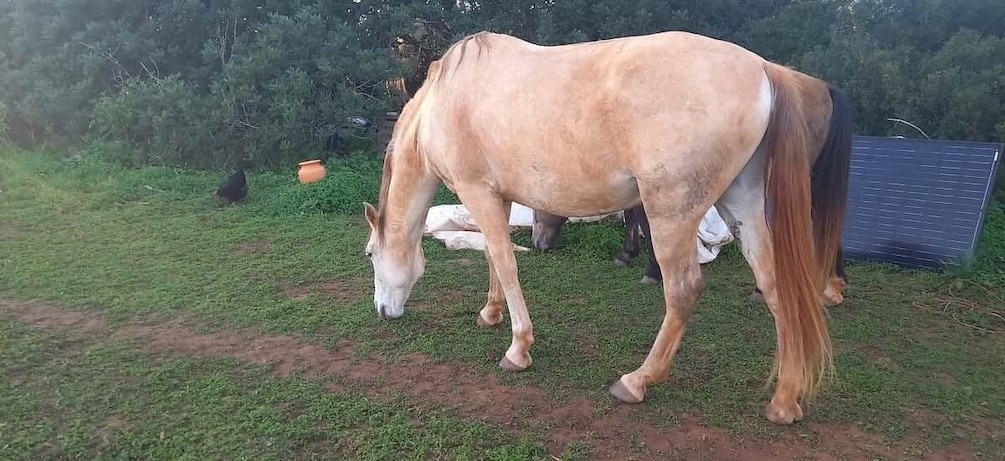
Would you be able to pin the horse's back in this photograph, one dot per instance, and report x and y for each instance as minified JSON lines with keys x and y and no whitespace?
{"x":592,"y":120}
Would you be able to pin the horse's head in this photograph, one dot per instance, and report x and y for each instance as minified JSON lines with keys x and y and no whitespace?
{"x":398,"y":262}
{"x":546,"y":230}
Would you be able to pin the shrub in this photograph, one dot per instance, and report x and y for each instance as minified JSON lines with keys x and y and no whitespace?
{"x":3,"y":122}
{"x":989,"y":266}
{"x":340,"y":192}
{"x":165,"y":121}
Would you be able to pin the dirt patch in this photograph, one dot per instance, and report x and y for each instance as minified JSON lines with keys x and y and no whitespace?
{"x":47,"y":316}
{"x":946,"y":379}
{"x":107,"y":428}
{"x":251,"y":247}
{"x":297,"y":292}
{"x":874,"y":353}
{"x":615,"y":431}
{"x":345,"y":290}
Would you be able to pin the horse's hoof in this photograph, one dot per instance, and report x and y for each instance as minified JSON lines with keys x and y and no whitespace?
{"x":757,"y":298}
{"x":647,"y":280}
{"x":783,"y":415}
{"x":621,"y":262}
{"x":509,"y":365}
{"x":483,"y":322}
{"x":623,"y":393}
{"x":832,"y":298}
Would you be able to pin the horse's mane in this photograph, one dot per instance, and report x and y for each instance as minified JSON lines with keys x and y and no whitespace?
{"x":481,"y":41}
{"x":403,"y":137}
{"x":406,"y":136}
{"x":385,"y":186}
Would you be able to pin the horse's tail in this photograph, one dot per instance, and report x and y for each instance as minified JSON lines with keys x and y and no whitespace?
{"x":803,"y":340}
{"x":829,"y":183}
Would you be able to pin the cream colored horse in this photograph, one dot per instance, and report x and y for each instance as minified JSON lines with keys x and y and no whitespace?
{"x":675,"y":121}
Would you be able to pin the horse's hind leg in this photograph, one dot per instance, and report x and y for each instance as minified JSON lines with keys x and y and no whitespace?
{"x":742,"y":206}
{"x":491,"y":213}
{"x":630,"y":241}
{"x":834,"y":292}
{"x":673,"y":244}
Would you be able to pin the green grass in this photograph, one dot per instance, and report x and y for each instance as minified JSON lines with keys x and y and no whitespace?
{"x":67,"y":395}
{"x":129,"y":243}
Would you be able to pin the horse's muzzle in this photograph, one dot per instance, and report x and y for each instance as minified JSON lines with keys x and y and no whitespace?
{"x":384,"y":313}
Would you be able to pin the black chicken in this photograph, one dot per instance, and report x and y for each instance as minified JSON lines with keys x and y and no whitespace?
{"x":234,"y":187}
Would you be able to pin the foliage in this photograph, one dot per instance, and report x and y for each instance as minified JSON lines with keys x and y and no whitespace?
{"x":348,"y":183}
{"x":3,"y":122}
{"x":341,"y":191}
{"x":205,"y":82}
{"x":165,"y":120}
{"x":989,"y":266}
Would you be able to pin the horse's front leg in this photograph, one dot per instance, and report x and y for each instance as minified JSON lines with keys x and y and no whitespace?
{"x":491,"y":213}
{"x":491,"y":314}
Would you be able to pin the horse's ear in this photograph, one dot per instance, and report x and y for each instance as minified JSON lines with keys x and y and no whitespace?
{"x":371,"y":214}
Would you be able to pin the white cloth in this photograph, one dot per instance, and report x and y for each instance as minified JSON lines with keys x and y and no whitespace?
{"x":454,"y":226}
{"x":713,"y":234}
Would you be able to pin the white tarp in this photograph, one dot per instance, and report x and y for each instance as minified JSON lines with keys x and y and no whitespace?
{"x":454,"y":226}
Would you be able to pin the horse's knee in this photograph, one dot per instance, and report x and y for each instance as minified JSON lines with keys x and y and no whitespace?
{"x":683,"y":287}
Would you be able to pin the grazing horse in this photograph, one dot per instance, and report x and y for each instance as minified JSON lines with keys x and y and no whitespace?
{"x":547,"y":228}
{"x":674,"y":121}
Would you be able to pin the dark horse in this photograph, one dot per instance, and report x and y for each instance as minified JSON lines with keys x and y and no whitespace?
{"x":548,"y":227}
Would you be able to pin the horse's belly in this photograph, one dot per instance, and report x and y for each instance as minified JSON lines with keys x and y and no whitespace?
{"x":574,"y":196}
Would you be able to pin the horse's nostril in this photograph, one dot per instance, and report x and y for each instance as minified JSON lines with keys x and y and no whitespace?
{"x":380,"y":310}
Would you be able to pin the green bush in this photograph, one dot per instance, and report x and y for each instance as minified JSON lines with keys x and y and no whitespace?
{"x":201,"y":83}
{"x":342,"y":192}
{"x":165,"y":122}
{"x":3,"y":121}
{"x":989,"y":265}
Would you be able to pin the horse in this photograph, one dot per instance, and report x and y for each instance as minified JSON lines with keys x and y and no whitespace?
{"x":548,"y":227}
{"x":674,"y":121}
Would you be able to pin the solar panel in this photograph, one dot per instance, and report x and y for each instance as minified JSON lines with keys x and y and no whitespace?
{"x":917,"y":203}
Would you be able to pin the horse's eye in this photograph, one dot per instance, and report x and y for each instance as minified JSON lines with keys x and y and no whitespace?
{"x":369,"y":255}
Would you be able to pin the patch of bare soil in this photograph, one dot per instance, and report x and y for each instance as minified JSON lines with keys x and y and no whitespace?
{"x":251,"y":247}
{"x":615,"y":431}
{"x":48,"y":316}
{"x":344,"y":290}
{"x":297,"y":292}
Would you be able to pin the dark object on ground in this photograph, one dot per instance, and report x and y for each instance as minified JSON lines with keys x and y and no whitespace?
{"x":335,"y":144}
{"x":234,"y":187}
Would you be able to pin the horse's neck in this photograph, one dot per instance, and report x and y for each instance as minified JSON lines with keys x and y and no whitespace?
{"x":409,"y":197}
